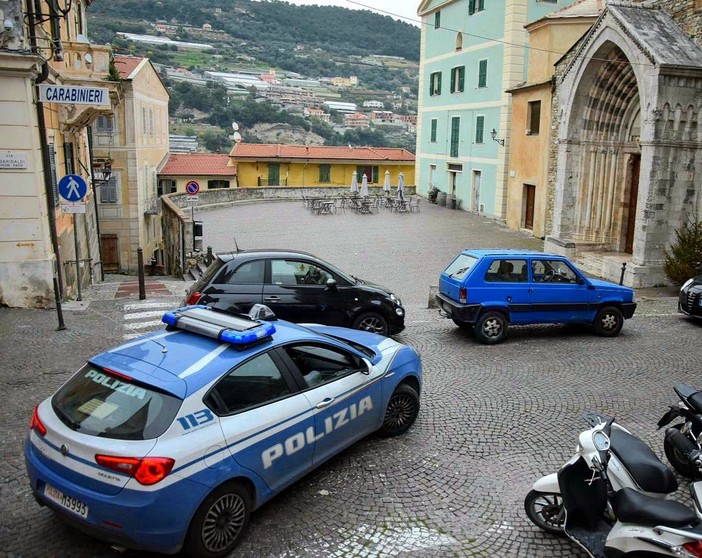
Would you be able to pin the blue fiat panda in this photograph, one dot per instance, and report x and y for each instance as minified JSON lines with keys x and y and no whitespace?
{"x":170,"y":441}
{"x":489,"y":289}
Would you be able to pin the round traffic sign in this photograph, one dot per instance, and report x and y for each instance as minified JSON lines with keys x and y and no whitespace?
{"x":192,"y":188}
{"x":72,"y":187}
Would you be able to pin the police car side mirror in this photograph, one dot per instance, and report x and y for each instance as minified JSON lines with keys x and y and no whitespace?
{"x":368,"y":367}
{"x":331,"y":284}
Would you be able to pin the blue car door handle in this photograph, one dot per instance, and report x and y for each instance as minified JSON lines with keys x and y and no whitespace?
{"x":273,"y":298}
{"x":325,"y":403}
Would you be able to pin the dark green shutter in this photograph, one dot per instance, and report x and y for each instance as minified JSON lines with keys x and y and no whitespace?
{"x":481,"y":5}
{"x":437,"y":20}
{"x":453,"y":80}
{"x":482,"y":74}
{"x":375,"y":175}
{"x":471,"y":7}
{"x":479,"y":129}
{"x":431,"y":84}
{"x":461,"y":77}
{"x":455,"y":131}
{"x":438,"y":89}
{"x":433,"y":131}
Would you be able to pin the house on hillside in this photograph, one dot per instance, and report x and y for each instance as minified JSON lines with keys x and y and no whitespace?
{"x":211,"y":171}
{"x":133,"y":142}
{"x":305,"y":166}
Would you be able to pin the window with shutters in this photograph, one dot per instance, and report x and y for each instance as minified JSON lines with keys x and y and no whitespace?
{"x":481,"y":5}
{"x":435,"y":84}
{"x":458,"y":75}
{"x":455,"y":134}
{"x":475,"y":6}
{"x":215,"y":184}
{"x":434,"y":123}
{"x":437,"y":20}
{"x":68,"y":157}
{"x":534,"y":118}
{"x":480,"y":129}
{"x":104,"y":124}
{"x":109,"y":191}
{"x":482,"y":73}
{"x":54,"y":180}
{"x":371,"y":173}
{"x":325,"y":173}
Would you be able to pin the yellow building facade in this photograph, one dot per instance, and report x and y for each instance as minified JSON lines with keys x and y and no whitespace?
{"x":529,"y":154}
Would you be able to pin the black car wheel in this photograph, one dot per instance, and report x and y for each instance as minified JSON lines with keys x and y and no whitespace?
{"x":491,"y":328}
{"x":373,"y":322}
{"x":401,"y":412}
{"x":608,"y":322}
{"x":219,"y":522}
{"x":545,"y":509}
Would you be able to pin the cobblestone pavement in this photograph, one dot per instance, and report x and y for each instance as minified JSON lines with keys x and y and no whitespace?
{"x":493,"y":419}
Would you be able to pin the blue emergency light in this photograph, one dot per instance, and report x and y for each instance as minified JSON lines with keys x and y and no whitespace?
{"x":234,"y":329}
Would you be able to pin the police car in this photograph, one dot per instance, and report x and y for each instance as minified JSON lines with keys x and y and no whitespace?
{"x":169,"y":441}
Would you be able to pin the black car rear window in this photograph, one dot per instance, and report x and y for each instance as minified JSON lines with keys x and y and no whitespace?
{"x":210,"y":272}
{"x":99,"y":403}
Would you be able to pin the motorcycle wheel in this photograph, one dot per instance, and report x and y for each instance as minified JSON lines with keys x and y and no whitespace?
{"x":679,"y":460}
{"x":545,"y":509}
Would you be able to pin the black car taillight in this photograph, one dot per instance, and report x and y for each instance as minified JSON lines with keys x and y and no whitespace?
{"x":193,"y":298}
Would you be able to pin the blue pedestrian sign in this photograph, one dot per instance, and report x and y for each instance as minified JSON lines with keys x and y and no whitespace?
{"x":72,"y":188}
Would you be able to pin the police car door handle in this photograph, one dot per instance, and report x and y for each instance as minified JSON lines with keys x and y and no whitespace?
{"x":271,"y":298}
{"x":325,"y":403}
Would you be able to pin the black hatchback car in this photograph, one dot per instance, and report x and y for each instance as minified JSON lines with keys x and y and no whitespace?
{"x":690,"y":298}
{"x":298,"y":287}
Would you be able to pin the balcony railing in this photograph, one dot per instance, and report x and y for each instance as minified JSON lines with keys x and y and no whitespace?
{"x":83,"y":61}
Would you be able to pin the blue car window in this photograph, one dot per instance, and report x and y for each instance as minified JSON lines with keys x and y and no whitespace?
{"x":507,"y":271}
{"x":321,"y":364}
{"x":256,"y":382}
{"x":459,"y":267}
{"x":552,"y":271}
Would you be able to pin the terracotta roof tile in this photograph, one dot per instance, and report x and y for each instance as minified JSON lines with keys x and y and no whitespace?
{"x":126,"y":64}
{"x":279,"y":151}
{"x":198,"y":164}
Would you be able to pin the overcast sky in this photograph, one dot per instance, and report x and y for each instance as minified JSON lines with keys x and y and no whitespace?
{"x":406,"y":9}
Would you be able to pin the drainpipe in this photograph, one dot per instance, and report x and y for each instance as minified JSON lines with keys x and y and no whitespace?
{"x":95,"y":202}
{"x":46,"y":158}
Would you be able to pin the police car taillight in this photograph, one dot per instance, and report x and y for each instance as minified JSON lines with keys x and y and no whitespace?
{"x":193,"y":298}
{"x":146,"y":471}
{"x":462,"y":295}
{"x":36,"y":424}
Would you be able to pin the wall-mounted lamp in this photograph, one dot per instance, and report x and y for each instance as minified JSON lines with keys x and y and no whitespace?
{"x":494,"y":137}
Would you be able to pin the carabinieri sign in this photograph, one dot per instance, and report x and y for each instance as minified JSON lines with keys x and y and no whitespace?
{"x":71,"y":95}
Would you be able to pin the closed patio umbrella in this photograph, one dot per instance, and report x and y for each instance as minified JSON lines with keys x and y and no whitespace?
{"x":386,"y":185}
{"x":354,"y":183}
{"x":364,"y":186}
{"x":401,"y":187}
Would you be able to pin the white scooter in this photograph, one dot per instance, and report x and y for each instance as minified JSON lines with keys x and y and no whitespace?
{"x":643,"y":526}
{"x":632,"y":464}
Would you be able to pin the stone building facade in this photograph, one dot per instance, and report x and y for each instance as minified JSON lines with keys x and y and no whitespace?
{"x":629,"y":151}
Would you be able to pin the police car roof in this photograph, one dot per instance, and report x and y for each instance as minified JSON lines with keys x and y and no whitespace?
{"x":190,"y":360}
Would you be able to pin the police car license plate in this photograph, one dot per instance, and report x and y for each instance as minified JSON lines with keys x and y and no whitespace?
{"x":66,"y":502}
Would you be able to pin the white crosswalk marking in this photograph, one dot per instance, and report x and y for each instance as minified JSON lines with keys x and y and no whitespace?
{"x":144,"y":317}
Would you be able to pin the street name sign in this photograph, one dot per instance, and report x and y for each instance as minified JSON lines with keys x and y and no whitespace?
{"x":74,"y":95}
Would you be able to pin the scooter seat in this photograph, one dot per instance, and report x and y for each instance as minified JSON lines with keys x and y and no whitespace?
{"x":647,"y":470}
{"x":695,"y":401}
{"x":631,"y":506}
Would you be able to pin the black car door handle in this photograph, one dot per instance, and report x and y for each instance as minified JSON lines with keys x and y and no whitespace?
{"x":271,"y":298}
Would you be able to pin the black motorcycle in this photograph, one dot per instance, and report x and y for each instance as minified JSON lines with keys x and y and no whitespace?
{"x":683,"y":440}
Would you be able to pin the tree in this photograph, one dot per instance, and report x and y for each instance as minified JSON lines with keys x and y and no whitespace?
{"x":685,"y":256}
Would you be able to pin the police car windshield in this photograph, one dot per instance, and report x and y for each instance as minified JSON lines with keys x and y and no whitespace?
{"x":100,"y":403}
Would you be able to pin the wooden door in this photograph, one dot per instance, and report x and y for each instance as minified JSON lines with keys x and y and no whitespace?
{"x":529,"y":195}
{"x":633,"y":195}
{"x":274,"y":175}
{"x":110,"y":252}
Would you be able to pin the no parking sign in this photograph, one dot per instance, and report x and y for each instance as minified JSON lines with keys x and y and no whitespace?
{"x":192,"y":188}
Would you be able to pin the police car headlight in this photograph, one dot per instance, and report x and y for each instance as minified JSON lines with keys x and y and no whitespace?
{"x":395,"y":299}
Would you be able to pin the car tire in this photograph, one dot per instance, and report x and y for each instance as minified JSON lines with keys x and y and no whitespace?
{"x":608,"y":322}
{"x":545,"y":509}
{"x":219,"y":522}
{"x":401,"y":412}
{"x":462,"y":324}
{"x":373,"y":322}
{"x":491,"y":328}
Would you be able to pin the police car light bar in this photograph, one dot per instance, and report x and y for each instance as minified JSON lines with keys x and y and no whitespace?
{"x":205,"y":321}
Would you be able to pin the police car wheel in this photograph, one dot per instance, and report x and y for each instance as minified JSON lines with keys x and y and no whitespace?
{"x":401,"y":412}
{"x":370,"y":321}
{"x":219,"y":522}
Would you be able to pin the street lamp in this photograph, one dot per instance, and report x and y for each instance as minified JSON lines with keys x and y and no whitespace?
{"x":494,"y":137}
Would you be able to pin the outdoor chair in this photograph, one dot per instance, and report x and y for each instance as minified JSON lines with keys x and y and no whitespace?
{"x":414,"y":204}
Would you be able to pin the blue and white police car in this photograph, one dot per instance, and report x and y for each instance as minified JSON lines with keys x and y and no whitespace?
{"x":169,"y":441}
